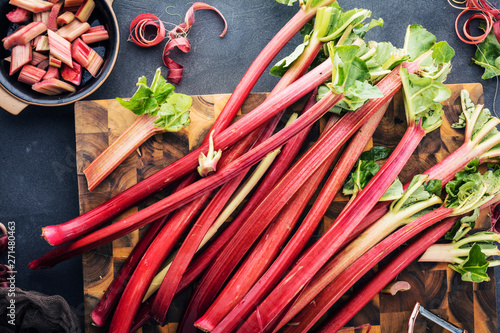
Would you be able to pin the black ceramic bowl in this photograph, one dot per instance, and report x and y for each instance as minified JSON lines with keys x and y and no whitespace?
{"x":24,"y":95}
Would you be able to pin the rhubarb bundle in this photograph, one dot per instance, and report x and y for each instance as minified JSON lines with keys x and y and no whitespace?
{"x":274,"y":227}
{"x":52,"y":33}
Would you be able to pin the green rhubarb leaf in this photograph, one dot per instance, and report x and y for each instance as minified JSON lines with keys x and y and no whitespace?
{"x":280,"y":68}
{"x":173,"y":115}
{"x":383,"y":60}
{"x":474,"y":268}
{"x":475,"y":116}
{"x":418,"y":41}
{"x":161,"y":88}
{"x":287,"y":2}
{"x":422,"y":97}
{"x":361,"y":31}
{"x":143,"y":101}
{"x":171,"y":109}
{"x":394,"y":192}
{"x":364,"y":170}
{"x":488,"y":56}
{"x":339,"y":21}
{"x":463,"y":226}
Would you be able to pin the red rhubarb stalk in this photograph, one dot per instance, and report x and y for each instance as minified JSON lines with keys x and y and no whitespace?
{"x":34,"y":6}
{"x":24,"y":35}
{"x":109,"y":300}
{"x":135,"y":135}
{"x":477,"y":144}
{"x":155,"y":183}
{"x":95,"y":34}
{"x":484,"y":194}
{"x":265,"y":251}
{"x":199,"y":188}
{"x":18,"y":15}
{"x":31,"y":74}
{"x":275,"y":172}
{"x":73,"y":30}
{"x":278,"y":197}
{"x":330,"y":242}
{"x":54,"y":13}
{"x":307,"y":228}
{"x":404,"y":259}
{"x":20,"y":56}
{"x":355,"y":249}
{"x":159,"y":250}
{"x":59,"y":234}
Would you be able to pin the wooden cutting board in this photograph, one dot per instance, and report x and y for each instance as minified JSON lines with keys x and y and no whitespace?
{"x":436,"y":287}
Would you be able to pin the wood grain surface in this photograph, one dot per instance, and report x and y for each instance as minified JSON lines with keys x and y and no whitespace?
{"x":436,"y":287}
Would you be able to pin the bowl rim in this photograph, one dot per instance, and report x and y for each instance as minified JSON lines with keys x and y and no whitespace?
{"x":97,"y":85}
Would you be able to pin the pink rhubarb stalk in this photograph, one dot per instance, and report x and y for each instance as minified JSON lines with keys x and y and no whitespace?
{"x":18,"y":15}
{"x":135,"y":135}
{"x":53,"y":87}
{"x":386,"y":274}
{"x":59,"y":234}
{"x":34,"y":6}
{"x":73,"y":30}
{"x":161,"y":179}
{"x":20,"y":56}
{"x":262,"y":216}
{"x":31,"y":74}
{"x":321,"y":251}
{"x":60,"y":48}
{"x":265,"y":251}
{"x":54,"y":13}
{"x":83,"y":13}
{"x":95,"y":34}
{"x":308,"y":226}
{"x":24,"y":35}
{"x":158,"y":252}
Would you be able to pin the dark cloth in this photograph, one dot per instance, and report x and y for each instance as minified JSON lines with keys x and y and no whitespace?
{"x":36,"y":312}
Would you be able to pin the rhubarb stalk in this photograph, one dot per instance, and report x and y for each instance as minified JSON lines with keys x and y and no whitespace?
{"x":321,"y":251}
{"x":307,"y":228}
{"x":155,"y":183}
{"x":485,"y":193}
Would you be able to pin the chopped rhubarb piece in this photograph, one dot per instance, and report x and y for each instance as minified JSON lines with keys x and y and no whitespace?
{"x":73,"y":75}
{"x":18,"y":15}
{"x":85,"y":10}
{"x":31,"y":74}
{"x":44,"y":64}
{"x":24,"y":35}
{"x":8,"y":59}
{"x":21,"y":55}
{"x":95,"y":63}
{"x":60,"y":48}
{"x":54,"y":62}
{"x":73,"y":30}
{"x":65,"y":18}
{"x":52,"y":72}
{"x":41,"y":17}
{"x":53,"y":15}
{"x":34,"y":6}
{"x":42,"y":43}
{"x":72,"y":3}
{"x":80,"y":52}
{"x":95,"y":34}
{"x":37,"y":58}
{"x":53,"y":87}
{"x":34,"y":41}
